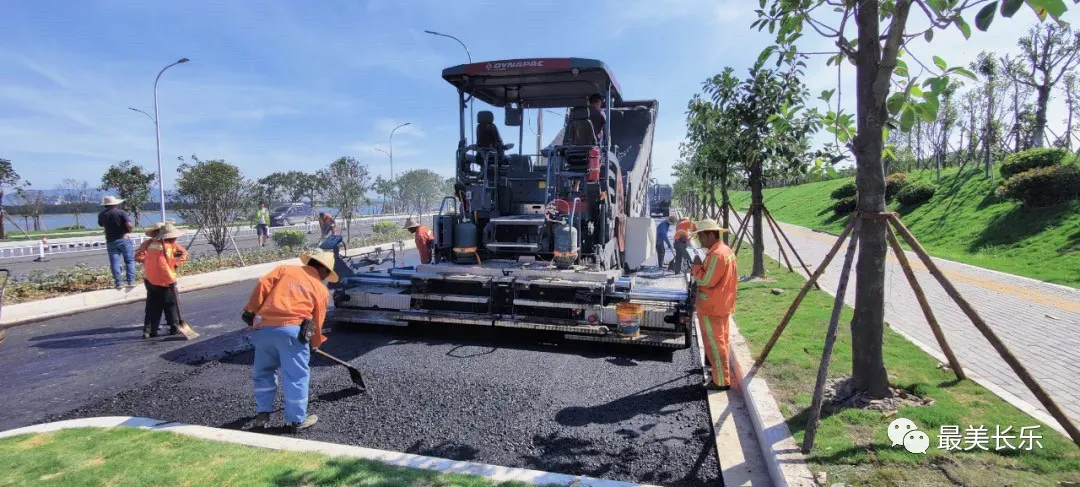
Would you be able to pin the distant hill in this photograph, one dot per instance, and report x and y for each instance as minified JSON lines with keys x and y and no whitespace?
{"x":964,"y":222}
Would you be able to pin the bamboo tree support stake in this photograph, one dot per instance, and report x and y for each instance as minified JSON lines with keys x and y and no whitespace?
{"x":779,"y":244}
{"x":744,"y":228}
{"x":830,"y":341}
{"x":802,"y":292}
{"x":925,"y":305}
{"x":989,"y":334}
{"x":793,"y":251}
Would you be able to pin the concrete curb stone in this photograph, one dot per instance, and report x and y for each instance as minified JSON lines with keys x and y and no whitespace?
{"x":34,"y":311}
{"x":441,"y":465}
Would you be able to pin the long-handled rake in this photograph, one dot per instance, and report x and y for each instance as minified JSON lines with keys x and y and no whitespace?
{"x":354,"y":373}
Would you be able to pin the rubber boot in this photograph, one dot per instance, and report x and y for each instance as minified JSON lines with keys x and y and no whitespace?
{"x":146,"y":332}
{"x":261,"y":420}
{"x":308,"y":422}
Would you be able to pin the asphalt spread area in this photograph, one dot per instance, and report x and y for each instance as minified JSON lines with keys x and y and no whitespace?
{"x":467,"y":394}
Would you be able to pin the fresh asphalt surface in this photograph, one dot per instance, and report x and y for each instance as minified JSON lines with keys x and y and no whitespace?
{"x":456,"y":393}
{"x":21,"y":266}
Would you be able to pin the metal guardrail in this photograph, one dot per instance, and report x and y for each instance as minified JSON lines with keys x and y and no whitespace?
{"x":42,"y":248}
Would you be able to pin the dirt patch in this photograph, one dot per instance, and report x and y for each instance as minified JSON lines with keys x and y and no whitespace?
{"x":840,"y":394}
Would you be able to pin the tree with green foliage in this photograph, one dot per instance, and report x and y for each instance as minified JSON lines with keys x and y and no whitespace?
{"x":211,"y":195}
{"x":712,"y":129}
{"x":8,"y":178}
{"x":385,"y":189}
{"x":75,"y":193}
{"x":344,"y":185}
{"x":879,"y":70}
{"x":272,"y":187}
{"x":421,"y":190}
{"x":1048,"y":53}
{"x":131,"y":183}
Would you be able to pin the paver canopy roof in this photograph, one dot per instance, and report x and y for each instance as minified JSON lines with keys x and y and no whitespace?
{"x":536,"y":82}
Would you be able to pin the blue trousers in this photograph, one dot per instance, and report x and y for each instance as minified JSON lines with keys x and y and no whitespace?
{"x":121,"y":250}
{"x":276,"y":347}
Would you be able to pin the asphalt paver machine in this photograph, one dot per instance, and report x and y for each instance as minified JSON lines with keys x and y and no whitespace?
{"x":545,"y":241}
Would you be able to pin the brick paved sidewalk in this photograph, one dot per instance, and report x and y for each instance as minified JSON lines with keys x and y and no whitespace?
{"x":1039,"y":322}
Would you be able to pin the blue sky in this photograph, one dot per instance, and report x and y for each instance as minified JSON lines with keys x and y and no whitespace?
{"x":291,"y":85}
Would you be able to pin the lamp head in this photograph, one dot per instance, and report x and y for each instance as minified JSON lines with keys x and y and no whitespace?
{"x":183,"y":60}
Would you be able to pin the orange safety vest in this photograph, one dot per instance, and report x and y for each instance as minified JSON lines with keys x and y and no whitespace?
{"x":717,"y":280}
{"x":160,"y":260}
{"x":683,"y":229}
{"x":424,"y":236}
{"x":288,"y":295}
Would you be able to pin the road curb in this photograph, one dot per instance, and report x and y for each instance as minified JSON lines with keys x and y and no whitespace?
{"x":786,"y":463}
{"x":35,"y":311}
{"x":441,"y":465}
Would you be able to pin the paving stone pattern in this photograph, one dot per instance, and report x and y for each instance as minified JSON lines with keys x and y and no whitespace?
{"x":1039,"y":322}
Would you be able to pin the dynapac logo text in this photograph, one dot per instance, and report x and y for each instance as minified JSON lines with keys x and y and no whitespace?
{"x":503,"y":65}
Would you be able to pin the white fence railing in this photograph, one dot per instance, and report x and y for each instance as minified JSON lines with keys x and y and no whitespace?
{"x":42,"y":249}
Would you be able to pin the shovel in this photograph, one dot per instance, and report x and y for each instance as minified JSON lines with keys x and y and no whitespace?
{"x":354,"y":373}
{"x":184,"y":328}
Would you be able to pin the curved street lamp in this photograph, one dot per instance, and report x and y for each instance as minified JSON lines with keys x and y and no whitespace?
{"x":467,"y":53}
{"x":157,"y":133}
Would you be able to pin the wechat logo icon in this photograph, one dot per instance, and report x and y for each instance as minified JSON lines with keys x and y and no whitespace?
{"x":904,"y":432}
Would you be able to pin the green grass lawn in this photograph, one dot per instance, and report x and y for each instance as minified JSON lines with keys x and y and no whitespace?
{"x":964,"y":222}
{"x":131,"y":456}
{"x":852,"y":444}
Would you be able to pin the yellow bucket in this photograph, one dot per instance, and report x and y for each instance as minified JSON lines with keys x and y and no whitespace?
{"x":629,"y":315}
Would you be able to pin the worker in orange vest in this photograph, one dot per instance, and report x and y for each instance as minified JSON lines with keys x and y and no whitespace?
{"x":160,"y":257}
{"x":717,"y":279}
{"x":424,"y":239}
{"x":285,"y":316}
{"x":682,"y":242}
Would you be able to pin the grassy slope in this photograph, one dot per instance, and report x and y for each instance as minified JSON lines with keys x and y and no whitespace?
{"x":963,"y":222}
{"x":852,"y":445}
{"x":129,"y":456}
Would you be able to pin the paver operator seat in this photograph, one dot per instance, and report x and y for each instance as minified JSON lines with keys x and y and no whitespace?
{"x":487,"y":134}
{"x":582,"y":131}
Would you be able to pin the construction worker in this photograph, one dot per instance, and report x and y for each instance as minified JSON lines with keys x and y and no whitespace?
{"x":117,"y":224}
{"x":717,"y":279}
{"x":262,"y":223}
{"x":326,"y":223}
{"x":682,"y":243}
{"x":663,"y":241}
{"x":424,"y":237}
{"x":160,"y":257}
{"x":285,"y":303}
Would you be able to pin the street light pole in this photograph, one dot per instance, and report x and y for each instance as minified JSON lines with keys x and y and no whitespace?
{"x":157,"y":136}
{"x":472,"y":123}
{"x":392,"y":177}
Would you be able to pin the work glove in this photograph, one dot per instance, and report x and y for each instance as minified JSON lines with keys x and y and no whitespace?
{"x":249,"y":318}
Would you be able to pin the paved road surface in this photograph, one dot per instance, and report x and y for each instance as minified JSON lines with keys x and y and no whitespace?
{"x":21,"y":266}
{"x":1039,"y":322}
{"x":488,"y":399}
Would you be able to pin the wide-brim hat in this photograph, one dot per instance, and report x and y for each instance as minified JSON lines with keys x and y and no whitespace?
{"x":410,"y":223}
{"x":324,"y":258}
{"x":153,"y":230}
{"x":708,"y":225}
{"x":169,"y":231}
{"x":110,"y":201}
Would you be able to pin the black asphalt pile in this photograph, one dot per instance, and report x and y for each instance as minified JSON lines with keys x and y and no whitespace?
{"x":489,"y":400}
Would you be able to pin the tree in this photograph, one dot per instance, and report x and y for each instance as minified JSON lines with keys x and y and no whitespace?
{"x":211,"y":195}
{"x":272,"y":187}
{"x":385,"y":189}
{"x":1072,"y":90}
{"x":1048,"y":52}
{"x":712,"y":127}
{"x":33,"y":203}
{"x":345,"y":182}
{"x":302,"y":185}
{"x":76,"y":197}
{"x":131,"y":183}
{"x":420,"y":190}
{"x":987,"y":66}
{"x":876,"y":57}
{"x":8,"y":177}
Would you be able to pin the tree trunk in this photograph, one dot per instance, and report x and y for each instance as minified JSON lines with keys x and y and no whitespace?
{"x":755,"y":207}
{"x":725,"y":203}
{"x":867,"y":327}
{"x":3,"y":230}
{"x":1069,"y":121}
{"x":1038,"y":133}
{"x":989,"y":127}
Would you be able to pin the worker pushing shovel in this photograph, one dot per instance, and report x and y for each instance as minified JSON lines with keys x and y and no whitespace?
{"x":161,"y":256}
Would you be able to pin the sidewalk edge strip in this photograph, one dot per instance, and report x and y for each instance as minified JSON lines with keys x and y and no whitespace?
{"x":44,"y":309}
{"x":441,"y":465}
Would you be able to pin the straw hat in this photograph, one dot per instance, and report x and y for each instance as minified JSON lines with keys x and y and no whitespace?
{"x":410,"y":223}
{"x":169,"y":231}
{"x":324,"y":258}
{"x":153,"y":230}
{"x":708,"y":225}
{"x":110,"y":201}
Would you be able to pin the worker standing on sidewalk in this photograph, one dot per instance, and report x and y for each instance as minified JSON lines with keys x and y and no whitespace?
{"x":424,"y":239}
{"x":717,"y":279}
{"x":682,"y":243}
{"x":285,"y":316}
{"x":262,"y":222}
{"x":160,"y":257}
